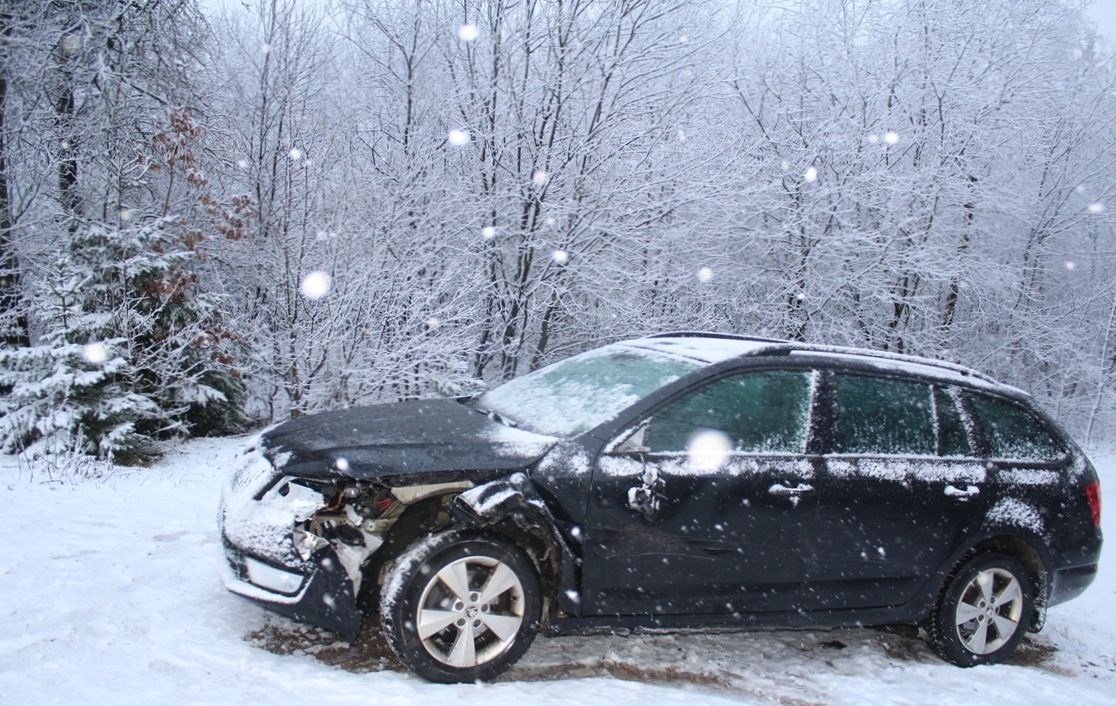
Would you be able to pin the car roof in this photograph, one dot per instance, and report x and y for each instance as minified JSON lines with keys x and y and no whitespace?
{"x":719,"y":347}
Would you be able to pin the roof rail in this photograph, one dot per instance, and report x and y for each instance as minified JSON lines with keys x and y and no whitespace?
{"x":784,"y":347}
{"x":898,"y":357}
{"x":714,"y":334}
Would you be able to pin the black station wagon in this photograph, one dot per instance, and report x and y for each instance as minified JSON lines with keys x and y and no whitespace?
{"x":678,"y":481}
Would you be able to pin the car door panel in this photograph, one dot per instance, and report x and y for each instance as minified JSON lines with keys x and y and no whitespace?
{"x":669,"y":532}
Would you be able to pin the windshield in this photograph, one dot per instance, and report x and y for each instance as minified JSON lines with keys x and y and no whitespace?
{"x":579,"y":393}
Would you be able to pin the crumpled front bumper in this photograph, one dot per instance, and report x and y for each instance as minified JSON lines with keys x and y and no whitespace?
{"x":324,"y":596}
{"x":263,"y":563}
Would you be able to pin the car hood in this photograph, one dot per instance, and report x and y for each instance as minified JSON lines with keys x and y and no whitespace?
{"x":403,"y":438}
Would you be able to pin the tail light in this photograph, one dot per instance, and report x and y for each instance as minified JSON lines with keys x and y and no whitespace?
{"x":1092,"y":494}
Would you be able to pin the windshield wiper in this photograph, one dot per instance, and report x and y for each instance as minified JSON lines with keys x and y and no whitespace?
{"x":490,"y":413}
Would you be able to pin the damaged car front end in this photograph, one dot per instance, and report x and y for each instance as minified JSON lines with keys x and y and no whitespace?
{"x":304,"y":526}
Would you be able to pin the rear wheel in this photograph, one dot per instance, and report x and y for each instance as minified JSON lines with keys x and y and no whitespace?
{"x":458,"y":607}
{"x":984,"y":611}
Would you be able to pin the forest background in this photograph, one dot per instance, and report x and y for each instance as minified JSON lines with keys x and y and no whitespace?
{"x":215,"y":217}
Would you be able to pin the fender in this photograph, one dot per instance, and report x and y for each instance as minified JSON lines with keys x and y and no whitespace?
{"x":514,"y":501}
{"x":1010,"y":519}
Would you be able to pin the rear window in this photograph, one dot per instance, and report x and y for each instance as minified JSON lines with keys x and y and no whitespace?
{"x":883,"y":416}
{"x":1013,"y":432}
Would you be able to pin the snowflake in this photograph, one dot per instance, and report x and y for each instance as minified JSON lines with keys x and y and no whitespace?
{"x":295,"y":154}
{"x":95,"y":353}
{"x":540,"y":179}
{"x":873,"y":138}
{"x":125,"y":214}
{"x":316,"y":284}
{"x":1071,"y":265}
{"x":891,"y":137}
{"x":488,"y":232}
{"x":705,"y":274}
{"x":561,"y":257}
{"x":458,"y":138}
{"x":467,"y":32}
{"x":1095,"y":208}
{"x":811,"y":175}
{"x":708,"y":450}
{"x":242,"y":163}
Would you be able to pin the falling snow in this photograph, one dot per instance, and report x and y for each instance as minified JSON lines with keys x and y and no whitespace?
{"x":95,"y":353}
{"x":316,"y":284}
{"x":708,"y":450}
{"x":467,"y":32}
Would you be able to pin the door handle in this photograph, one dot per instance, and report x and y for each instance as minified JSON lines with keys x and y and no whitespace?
{"x":961,"y":493}
{"x":781,"y":491}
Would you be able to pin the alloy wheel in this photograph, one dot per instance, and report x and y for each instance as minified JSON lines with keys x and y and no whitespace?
{"x":470,"y":611}
{"x":989,"y":611}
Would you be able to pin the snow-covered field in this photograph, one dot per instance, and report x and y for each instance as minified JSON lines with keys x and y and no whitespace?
{"x":110,"y":593}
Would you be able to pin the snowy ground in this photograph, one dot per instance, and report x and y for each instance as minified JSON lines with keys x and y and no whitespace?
{"x":110,"y":594}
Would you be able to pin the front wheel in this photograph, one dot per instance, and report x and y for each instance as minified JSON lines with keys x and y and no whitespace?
{"x":458,"y":607}
{"x":984,"y":611}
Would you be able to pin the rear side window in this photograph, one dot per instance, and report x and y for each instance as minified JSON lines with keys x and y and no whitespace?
{"x":1012,"y":432}
{"x":882,"y":416}
{"x":759,"y":412}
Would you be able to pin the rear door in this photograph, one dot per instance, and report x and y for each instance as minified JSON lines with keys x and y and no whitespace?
{"x":705,"y":507}
{"x":901,"y":485}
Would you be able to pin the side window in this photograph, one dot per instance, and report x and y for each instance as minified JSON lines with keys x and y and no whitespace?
{"x":952,"y":437}
{"x":759,"y":412}
{"x":1013,"y":432}
{"x":882,"y":416}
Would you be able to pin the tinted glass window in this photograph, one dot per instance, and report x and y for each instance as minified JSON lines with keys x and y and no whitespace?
{"x":952,"y":439}
{"x":881,"y":416}
{"x":758,"y":412}
{"x":1013,"y":432}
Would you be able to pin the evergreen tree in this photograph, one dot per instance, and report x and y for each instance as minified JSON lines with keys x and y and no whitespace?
{"x":130,"y":353}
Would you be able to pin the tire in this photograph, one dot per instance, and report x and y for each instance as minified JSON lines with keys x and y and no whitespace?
{"x":984,"y":611}
{"x":437,"y":619}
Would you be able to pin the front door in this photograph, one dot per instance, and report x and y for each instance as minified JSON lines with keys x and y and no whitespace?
{"x":706,"y":507}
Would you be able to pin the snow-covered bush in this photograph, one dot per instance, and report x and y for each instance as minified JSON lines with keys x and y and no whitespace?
{"x":130,"y":352}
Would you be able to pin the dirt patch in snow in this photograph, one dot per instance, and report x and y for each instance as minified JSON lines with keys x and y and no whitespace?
{"x":669,"y":674}
{"x":368,"y":654}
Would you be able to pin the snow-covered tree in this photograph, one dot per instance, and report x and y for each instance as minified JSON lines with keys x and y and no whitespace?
{"x":130,"y":353}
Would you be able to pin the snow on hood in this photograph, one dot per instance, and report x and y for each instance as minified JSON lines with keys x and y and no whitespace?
{"x":402,"y":438}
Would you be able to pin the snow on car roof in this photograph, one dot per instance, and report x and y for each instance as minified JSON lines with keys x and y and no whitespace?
{"x":708,"y":350}
{"x":718,"y":347}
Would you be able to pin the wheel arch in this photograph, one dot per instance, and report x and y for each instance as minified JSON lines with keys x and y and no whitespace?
{"x":512,"y":510}
{"x":430,"y":514}
{"x":1018,"y":543}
